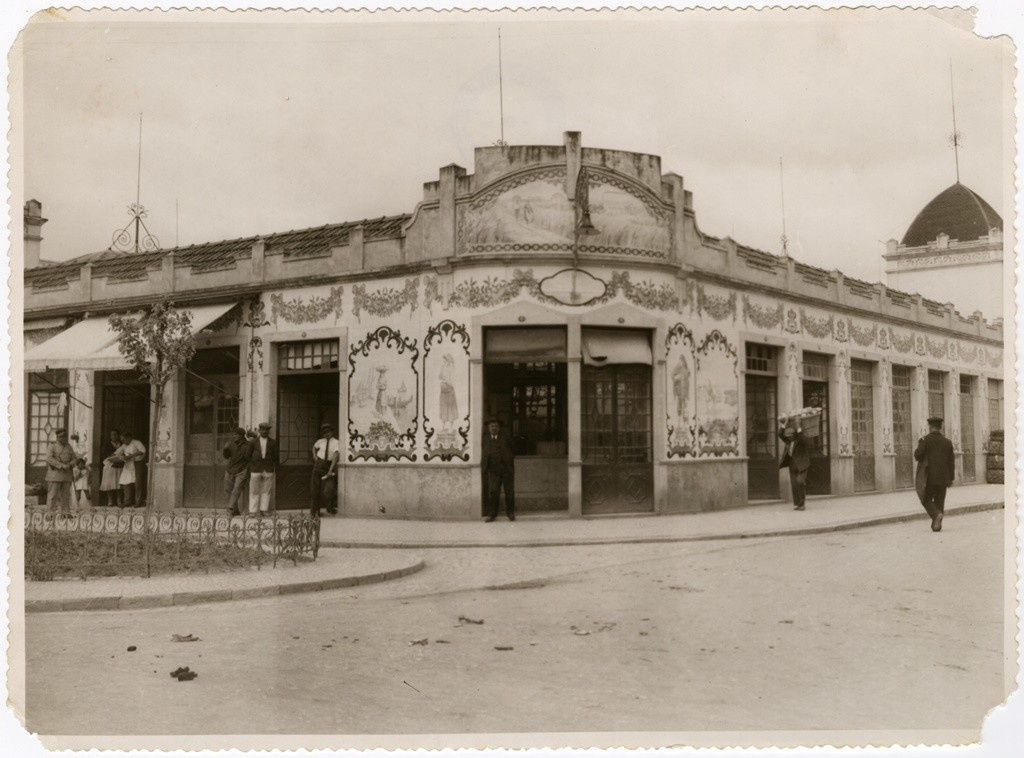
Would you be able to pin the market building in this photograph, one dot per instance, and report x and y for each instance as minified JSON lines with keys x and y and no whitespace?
{"x":639,"y":363}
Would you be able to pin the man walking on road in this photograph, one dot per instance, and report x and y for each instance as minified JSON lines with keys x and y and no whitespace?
{"x":498,"y":470}
{"x":236,"y":453}
{"x":935,"y":452}
{"x":262,"y":465}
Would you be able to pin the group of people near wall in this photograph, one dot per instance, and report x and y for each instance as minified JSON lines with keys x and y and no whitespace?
{"x":68,"y":472}
{"x":252,"y":458}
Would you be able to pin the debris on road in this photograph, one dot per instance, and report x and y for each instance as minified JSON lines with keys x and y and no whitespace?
{"x":581,"y":632}
{"x":184,"y":638}
{"x":465,"y":620}
{"x":423,"y":641}
{"x":187,"y":676}
{"x":503,"y":647}
{"x":132,"y":648}
{"x":179,"y":671}
{"x":442,"y":642}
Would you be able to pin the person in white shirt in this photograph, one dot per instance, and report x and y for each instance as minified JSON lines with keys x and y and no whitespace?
{"x":323,"y":488}
{"x":131,"y":450}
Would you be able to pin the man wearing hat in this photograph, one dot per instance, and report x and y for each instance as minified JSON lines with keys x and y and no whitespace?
{"x":236,"y":453}
{"x":60,"y":458}
{"x":323,"y":491}
{"x":262,"y":465}
{"x":935,"y":452}
{"x":797,"y":458}
{"x":498,"y":470}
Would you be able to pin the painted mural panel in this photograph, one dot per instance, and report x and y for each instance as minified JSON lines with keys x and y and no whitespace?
{"x":681,"y":406}
{"x":383,"y":415}
{"x":718,"y":419}
{"x":446,"y":387}
{"x":533,"y":212}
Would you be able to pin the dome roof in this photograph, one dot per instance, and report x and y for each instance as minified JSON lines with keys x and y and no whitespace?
{"x":956,"y":211}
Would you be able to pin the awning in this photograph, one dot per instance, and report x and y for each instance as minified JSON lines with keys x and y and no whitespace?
{"x":603,"y":347}
{"x":543,"y":344}
{"x":91,"y":344}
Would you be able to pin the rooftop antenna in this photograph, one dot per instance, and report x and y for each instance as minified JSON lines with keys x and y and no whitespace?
{"x":501,"y":94}
{"x":125,"y":241}
{"x":956,"y":138}
{"x":782,"y":192}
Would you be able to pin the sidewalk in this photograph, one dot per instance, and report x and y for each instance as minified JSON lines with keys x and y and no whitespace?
{"x":823,"y":514}
{"x":371,"y":557}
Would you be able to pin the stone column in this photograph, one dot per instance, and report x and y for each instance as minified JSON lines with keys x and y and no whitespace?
{"x":885,"y":456}
{"x":574,"y":411}
{"x":790,"y":398}
{"x":167,"y":456}
{"x":951,"y":427}
{"x":842,"y":447}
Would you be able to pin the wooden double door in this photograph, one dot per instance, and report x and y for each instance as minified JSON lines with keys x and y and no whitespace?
{"x":304,"y":402}
{"x":618,"y":471}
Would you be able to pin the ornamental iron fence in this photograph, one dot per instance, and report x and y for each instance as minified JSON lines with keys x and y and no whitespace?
{"x":109,"y":544}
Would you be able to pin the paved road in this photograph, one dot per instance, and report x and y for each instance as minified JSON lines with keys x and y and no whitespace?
{"x":885,"y":628}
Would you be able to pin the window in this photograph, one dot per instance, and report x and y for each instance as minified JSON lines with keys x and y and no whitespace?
{"x":46,"y":414}
{"x":320,"y":355}
{"x":936,"y":394}
{"x":761,"y":358}
{"x":538,"y":407}
{"x":995,"y":404}
{"x":901,"y":377}
{"x":816,"y":366}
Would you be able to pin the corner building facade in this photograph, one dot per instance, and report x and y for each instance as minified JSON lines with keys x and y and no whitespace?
{"x":639,"y":364}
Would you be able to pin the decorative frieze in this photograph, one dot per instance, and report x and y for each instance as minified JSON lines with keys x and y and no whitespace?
{"x":314,"y":310}
{"x":719,"y":307}
{"x":816,"y":327}
{"x":386,"y":301}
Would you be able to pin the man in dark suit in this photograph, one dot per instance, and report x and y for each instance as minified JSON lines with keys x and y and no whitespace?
{"x":797,"y":458}
{"x":262,"y":465}
{"x":498,"y":470}
{"x":936,"y":453}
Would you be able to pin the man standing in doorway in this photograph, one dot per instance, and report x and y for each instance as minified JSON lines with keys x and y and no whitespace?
{"x":262,"y":464}
{"x":498,"y":470}
{"x":935,"y":452}
{"x":323,"y":491}
{"x":236,"y":453}
{"x":797,"y":458}
{"x":60,"y":458}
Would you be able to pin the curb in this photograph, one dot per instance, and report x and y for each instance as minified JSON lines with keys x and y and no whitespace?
{"x":166,"y":599}
{"x":794,"y":532}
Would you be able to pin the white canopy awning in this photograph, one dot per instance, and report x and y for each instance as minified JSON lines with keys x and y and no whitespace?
{"x":603,"y":347}
{"x":92,"y":344}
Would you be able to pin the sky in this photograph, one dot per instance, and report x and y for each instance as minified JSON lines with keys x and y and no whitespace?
{"x":251,"y":127}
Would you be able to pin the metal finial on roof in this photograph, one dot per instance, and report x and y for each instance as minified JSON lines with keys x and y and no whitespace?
{"x":956,"y":139}
{"x":123,"y":238}
{"x":782,"y":192}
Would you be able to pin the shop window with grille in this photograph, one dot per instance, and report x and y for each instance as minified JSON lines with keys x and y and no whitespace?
{"x":816,"y":366}
{"x":761,"y":359}
{"x":317,"y":355}
{"x":538,"y":405}
{"x":46,"y":414}
{"x":995,"y":404}
{"x":967,"y":446}
{"x":902,"y":426}
{"x":862,"y":424}
{"x":936,"y":394}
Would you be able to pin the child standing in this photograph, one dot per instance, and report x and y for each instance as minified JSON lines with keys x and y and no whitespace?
{"x":80,"y":472}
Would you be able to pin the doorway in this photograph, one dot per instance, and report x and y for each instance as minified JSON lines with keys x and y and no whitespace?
{"x":816,"y":395}
{"x":862,"y":425}
{"x":525,"y":380}
{"x":304,"y":402}
{"x":212,"y":405}
{"x":902,"y":428}
{"x":126,"y":405}
{"x":618,"y":469}
{"x":761,"y":406}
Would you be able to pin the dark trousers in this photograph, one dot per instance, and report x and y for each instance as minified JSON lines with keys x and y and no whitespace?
{"x":499,"y":477}
{"x":798,"y":483}
{"x":934,"y":499}
{"x":323,"y":493}
{"x":128,"y":495}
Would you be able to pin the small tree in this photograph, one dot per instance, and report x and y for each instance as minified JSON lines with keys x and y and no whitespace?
{"x":157,"y":346}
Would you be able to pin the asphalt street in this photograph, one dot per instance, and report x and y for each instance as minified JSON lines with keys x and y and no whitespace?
{"x":890,"y":627}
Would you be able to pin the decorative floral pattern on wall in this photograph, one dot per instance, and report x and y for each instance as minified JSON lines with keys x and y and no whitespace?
{"x":792,"y":321}
{"x":883,"y":339}
{"x":446,"y":392}
{"x":299,"y":311}
{"x":885,"y":381}
{"x":680,"y":405}
{"x":995,"y":360}
{"x":969,"y":354}
{"x":843,"y":414}
{"x":387,"y":301}
{"x":903,"y":344}
{"x":937,"y":349}
{"x":865,"y":336}
{"x":719,"y":307}
{"x":717,"y":397}
{"x":815,"y":326}
{"x":383,"y":397}
{"x":842,"y":326}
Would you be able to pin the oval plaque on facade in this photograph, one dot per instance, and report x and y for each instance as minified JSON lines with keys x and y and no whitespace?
{"x":573,"y":286}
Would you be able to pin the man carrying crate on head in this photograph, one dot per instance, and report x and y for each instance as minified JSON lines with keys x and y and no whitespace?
{"x":796,"y":457}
